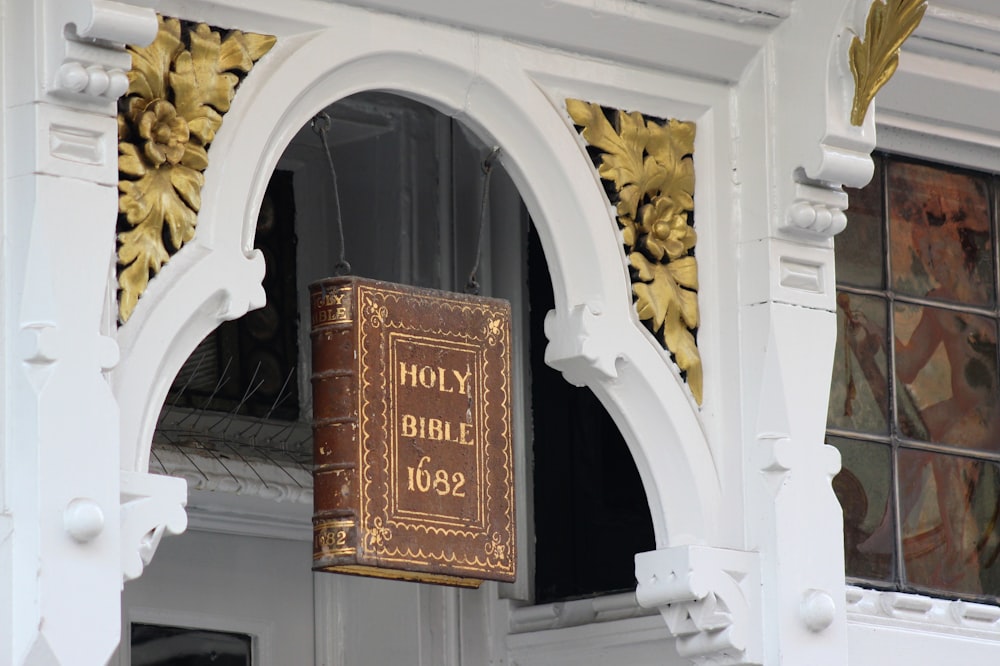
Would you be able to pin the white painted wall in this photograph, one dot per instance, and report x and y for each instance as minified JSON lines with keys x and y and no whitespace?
{"x":233,"y":583}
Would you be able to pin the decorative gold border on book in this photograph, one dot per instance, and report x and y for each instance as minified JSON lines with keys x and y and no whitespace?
{"x":378,"y":316}
{"x":647,"y":166}
{"x":400,"y":574}
{"x":432,"y":521}
{"x":180,"y":87}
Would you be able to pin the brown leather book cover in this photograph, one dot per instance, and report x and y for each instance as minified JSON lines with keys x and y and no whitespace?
{"x":412,"y":433}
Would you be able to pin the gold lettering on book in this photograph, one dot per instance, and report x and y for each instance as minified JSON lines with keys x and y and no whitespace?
{"x":331,"y":307}
{"x":444,"y":380}
{"x":443,"y":483}
{"x":436,"y":430}
{"x":330,"y":537}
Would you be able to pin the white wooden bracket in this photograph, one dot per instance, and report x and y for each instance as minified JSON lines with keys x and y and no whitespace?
{"x":710,"y":600}
{"x":818,"y":149}
{"x":151,"y":505}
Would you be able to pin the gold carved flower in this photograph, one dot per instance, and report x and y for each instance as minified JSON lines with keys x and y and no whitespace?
{"x":165,"y":132}
{"x":667,"y":230}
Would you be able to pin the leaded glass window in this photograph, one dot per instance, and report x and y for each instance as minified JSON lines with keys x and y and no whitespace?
{"x":914,"y":402}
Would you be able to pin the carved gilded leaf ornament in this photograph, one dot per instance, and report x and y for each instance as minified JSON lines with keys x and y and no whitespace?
{"x":875,"y":58}
{"x":180,"y":86}
{"x":650,"y":166}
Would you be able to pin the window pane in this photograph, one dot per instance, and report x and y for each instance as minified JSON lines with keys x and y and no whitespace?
{"x":859,"y":393}
{"x":154,"y":645}
{"x":949,"y":513}
{"x":921,"y":498}
{"x":946,"y":366}
{"x":860,"y":253}
{"x":862,"y":486}
{"x":940,"y":231}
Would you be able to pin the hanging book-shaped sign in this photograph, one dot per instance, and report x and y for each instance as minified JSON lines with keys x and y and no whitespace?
{"x":412,"y":433}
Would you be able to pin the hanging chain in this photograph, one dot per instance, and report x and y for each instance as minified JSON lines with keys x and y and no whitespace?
{"x":472,"y":286}
{"x":321,"y":125}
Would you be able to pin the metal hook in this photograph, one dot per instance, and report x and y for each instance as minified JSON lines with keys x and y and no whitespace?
{"x":321,"y":123}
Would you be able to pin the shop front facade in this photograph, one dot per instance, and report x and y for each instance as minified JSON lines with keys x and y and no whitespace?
{"x":667,"y":192}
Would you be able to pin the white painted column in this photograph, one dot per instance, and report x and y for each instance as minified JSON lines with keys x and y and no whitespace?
{"x":60,"y":565}
{"x":788,"y":323}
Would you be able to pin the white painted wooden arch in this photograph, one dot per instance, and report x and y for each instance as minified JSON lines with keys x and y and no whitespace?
{"x":595,"y":336}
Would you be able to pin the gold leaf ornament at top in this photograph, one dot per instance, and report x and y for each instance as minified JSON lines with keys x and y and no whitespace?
{"x":179,"y":88}
{"x":651,"y":167}
{"x":874,"y":60}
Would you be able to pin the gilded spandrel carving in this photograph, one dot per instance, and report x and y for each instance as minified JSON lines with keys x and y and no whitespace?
{"x":180,"y":86}
{"x":650,"y":165}
{"x":875,"y":58}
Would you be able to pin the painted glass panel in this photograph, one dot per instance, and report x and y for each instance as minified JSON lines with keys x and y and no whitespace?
{"x":860,"y":253}
{"x":859,"y":393}
{"x":941,"y":240}
{"x":946,"y":369}
{"x":863,"y":488}
{"x":949,"y":514}
{"x":920,"y":485}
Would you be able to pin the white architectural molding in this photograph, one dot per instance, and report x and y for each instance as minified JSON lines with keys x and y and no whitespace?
{"x":489,"y":91}
{"x":578,"y":612}
{"x":957,"y":34}
{"x":85,"y":59}
{"x":228,"y":513}
{"x":787,"y":331}
{"x":744,"y":12}
{"x":818,"y":150}
{"x":199,"y":289}
{"x":228,"y":473}
{"x":709,"y":598}
{"x":152,"y":505}
{"x":816,"y":208}
{"x":62,"y":458}
{"x":934,"y":631}
{"x":228,"y":493}
{"x":918,"y":612}
{"x":704,"y":38}
{"x":63,"y":566}
{"x":955,"y":54}
{"x":635,"y":640}
{"x":788,"y":468}
{"x":65,"y":142}
{"x":581,"y":344}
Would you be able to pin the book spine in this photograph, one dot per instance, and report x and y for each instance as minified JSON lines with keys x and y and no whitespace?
{"x":335,"y":423}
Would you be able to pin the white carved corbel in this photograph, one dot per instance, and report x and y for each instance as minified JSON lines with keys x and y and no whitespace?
{"x":85,"y":56}
{"x":709,"y":598}
{"x":151,"y":506}
{"x":817,"y":146}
